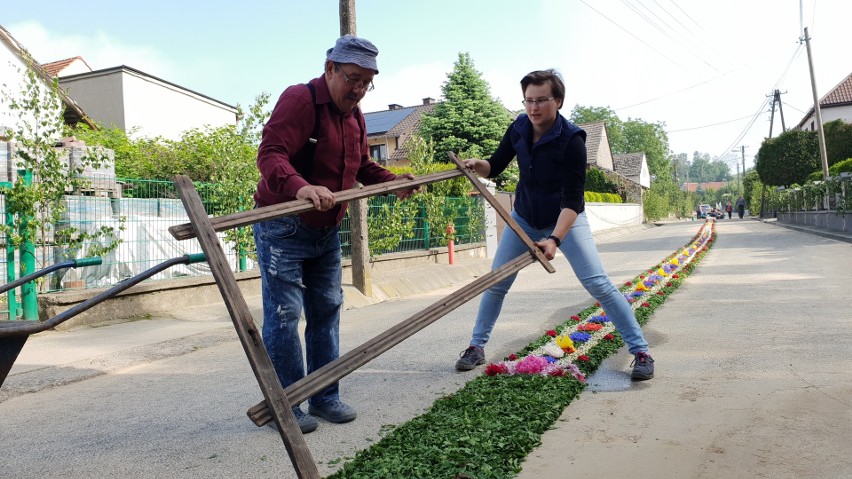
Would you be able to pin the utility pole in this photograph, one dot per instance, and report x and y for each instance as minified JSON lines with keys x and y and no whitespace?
{"x":359,"y":240}
{"x":817,"y":113}
{"x":776,"y":98}
{"x":741,"y":149}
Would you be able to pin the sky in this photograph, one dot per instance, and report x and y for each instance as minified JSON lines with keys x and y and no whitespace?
{"x":705,"y":70}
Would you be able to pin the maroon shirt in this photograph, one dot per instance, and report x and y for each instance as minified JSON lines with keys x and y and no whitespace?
{"x":342,"y":155}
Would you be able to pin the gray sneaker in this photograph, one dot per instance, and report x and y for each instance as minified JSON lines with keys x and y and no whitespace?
{"x":643,"y":367}
{"x":333,"y":411}
{"x":306,"y":423}
{"x":470,"y":358}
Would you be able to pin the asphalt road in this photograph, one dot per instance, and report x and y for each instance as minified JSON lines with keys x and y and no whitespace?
{"x":753,"y":377}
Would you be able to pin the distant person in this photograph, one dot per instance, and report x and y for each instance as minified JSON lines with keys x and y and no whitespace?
{"x":741,"y":207}
{"x":729,"y":209}
{"x":549,"y":204}
{"x":313,"y":145}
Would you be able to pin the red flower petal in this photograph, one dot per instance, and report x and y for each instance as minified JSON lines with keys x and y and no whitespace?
{"x":513,"y":357}
{"x":583,"y":358}
{"x":609,"y":337}
{"x":495,"y":369}
{"x":575,"y":318}
{"x":551,"y":333}
{"x":646,"y":305}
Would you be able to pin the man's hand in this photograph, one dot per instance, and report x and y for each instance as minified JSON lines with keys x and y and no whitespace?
{"x":406,"y":193}
{"x":321,"y":196}
{"x":481,"y":167}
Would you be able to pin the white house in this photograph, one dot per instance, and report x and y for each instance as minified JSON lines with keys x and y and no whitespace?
{"x":143,"y":105}
{"x":834,"y":105}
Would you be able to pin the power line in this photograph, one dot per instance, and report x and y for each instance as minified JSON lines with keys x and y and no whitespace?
{"x":711,"y":125}
{"x":634,"y":36}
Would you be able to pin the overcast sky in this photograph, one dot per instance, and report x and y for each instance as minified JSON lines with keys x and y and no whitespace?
{"x":703,"y":68}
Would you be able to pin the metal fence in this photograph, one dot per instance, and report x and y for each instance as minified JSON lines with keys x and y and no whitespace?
{"x":144,"y":210}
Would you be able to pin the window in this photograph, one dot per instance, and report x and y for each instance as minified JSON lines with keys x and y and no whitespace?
{"x":379,"y":152}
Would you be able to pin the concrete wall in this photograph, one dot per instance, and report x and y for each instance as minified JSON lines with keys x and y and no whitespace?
{"x":159,"y":297}
{"x":602,"y":216}
{"x":829,"y":220}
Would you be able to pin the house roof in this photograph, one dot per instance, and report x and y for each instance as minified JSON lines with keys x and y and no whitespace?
{"x":709,"y":185}
{"x":595,"y":133}
{"x":840,"y":95}
{"x":134,"y":71}
{"x":53,"y":68}
{"x":395,"y":122}
{"x":73,"y":112}
{"x":629,"y":164}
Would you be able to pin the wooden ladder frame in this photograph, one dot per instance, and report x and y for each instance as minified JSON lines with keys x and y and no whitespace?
{"x":278,"y":401}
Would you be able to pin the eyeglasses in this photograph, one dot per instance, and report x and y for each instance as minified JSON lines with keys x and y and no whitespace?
{"x":529,"y":102}
{"x":356,"y":84}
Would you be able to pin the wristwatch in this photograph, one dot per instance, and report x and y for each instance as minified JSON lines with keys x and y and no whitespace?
{"x":555,"y":240}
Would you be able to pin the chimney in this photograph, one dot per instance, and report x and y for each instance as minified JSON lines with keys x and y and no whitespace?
{"x":428,"y":101}
{"x":394,"y":106}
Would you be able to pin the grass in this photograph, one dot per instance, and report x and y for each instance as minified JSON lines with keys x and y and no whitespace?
{"x":487,"y":428}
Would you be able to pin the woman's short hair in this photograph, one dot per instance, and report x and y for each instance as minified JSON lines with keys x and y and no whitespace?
{"x":540,"y":77}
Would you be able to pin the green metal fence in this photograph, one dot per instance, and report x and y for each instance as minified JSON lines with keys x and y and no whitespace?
{"x":141,"y":211}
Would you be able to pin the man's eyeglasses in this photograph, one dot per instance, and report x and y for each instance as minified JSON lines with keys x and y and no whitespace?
{"x":356,"y":84}
{"x":538,"y":101}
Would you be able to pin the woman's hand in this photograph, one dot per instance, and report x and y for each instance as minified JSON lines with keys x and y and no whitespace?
{"x":548,"y":247}
{"x":481,"y":167}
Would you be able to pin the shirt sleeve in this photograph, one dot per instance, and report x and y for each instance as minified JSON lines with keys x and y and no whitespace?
{"x":574,"y":175}
{"x":284,"y":135}
{"x":503,"y":156}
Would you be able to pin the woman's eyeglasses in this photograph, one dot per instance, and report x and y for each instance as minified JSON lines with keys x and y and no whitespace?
{"x":530,"y":102}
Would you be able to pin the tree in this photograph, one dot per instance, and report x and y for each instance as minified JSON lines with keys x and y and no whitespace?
{"x":37,"y":208}
{"x":838,"y":141}
{"x":469,"y":120}
{"x":788,"y":158}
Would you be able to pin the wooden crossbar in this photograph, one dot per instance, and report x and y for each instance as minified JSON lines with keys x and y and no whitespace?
{"x":245,"y":218}
{"x":510,"y":222}
{"x":349,"y":362}
{"x":249,"y":336}
{"x":277,"y":402}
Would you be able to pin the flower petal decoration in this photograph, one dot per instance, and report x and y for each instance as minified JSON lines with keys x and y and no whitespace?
{"x":579,"y":337}
{"x":553,"y":349}
{"x":565,"y":343}
{"x":551,"y":333}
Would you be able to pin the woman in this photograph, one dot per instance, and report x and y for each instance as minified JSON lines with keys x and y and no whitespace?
{"x":549,"y":204}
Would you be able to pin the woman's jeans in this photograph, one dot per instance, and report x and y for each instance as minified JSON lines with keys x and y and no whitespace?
{"x":580,"y":250}
{"x":300,"y":267}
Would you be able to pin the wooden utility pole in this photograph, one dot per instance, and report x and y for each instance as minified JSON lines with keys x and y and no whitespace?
{"x":817,"y":113}
{"x":359,"y":239}
{"x":776,"y":98}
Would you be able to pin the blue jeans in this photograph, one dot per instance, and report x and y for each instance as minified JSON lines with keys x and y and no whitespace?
{"x":580,"y":250}
{"x":300,"y":267}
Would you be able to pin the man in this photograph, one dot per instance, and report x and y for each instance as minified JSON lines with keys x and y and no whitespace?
{"x":741,"y":207}
{"x":314,"y":144}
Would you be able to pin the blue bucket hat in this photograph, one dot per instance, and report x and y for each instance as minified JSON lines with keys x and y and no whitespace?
{"x":352,"y":49}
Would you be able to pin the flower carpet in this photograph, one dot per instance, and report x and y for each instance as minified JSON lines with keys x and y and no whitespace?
{"x":487,"y":428}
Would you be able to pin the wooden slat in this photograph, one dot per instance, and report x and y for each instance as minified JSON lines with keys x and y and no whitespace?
{"x":245,"y":218}
{"x":249,"y":336}
{"x":539,"y":255}
{"x":349,"y":362}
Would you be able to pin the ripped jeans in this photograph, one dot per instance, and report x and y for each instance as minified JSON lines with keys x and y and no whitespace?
{"x":300,"y":267}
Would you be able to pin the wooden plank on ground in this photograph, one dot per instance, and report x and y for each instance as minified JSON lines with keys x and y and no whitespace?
{"x":349,"y":362}
{"x":249,"y":336}
{"x":539,"y":255}
{"x":245,"y":218}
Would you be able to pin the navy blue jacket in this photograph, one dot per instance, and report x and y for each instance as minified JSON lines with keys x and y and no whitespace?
{"x":552,"y":172}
